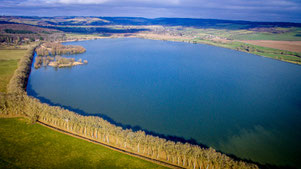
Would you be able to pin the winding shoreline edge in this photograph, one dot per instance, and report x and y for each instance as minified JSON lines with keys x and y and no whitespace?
{"x":93,"y":128}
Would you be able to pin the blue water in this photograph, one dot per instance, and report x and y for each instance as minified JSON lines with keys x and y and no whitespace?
{"x":236,"y":102}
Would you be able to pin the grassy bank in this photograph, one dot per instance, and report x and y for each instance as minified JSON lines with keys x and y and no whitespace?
{"x":282,"y":55}
{"x":26,"y":145}
{"x":228,"y":38}
{"x":9,"y":59}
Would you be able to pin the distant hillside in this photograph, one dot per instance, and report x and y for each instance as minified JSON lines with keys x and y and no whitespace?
{"x":203,"y":23}
{"x":101,"y":21}
{"x":17,"y":34}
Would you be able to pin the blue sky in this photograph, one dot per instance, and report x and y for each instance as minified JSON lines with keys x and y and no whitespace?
{"x":253,"y":10}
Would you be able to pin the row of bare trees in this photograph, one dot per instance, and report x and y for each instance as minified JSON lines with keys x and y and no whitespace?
{"x":53,"y":48}
{"x":17,"y":102}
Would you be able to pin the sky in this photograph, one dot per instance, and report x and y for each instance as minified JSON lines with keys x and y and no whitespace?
{"x":251,"y":10}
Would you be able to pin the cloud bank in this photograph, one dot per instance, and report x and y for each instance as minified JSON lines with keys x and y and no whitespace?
{"x":254,"y":10}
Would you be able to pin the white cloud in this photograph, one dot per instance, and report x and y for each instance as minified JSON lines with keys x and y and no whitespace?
{"x":165,"y":2}
{"x":77,"y":1}
{"x":267,"y":10}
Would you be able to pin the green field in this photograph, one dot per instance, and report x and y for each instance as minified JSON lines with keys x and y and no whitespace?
{"x":26,"y":145}
{"x":287,"y":56}
{"x":289,"y":36}
{"x":283,"y":34}
{"x":8,"y":64}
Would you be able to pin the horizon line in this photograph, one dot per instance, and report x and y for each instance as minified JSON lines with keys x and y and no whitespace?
{"x":235,"y":20}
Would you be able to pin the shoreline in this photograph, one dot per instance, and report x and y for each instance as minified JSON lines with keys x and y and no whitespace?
{"x":213,"y":43}
{"x":56,"y":116}
{"x":192,"y":41}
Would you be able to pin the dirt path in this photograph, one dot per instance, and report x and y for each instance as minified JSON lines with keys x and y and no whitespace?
{"x":293,"y":46}
{"x":112,"y":147}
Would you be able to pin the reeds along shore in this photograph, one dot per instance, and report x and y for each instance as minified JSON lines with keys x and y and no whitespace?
{"x":17,"y":103}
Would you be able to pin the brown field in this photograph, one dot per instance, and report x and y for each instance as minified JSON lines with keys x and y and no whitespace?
{"x":293,"y":46}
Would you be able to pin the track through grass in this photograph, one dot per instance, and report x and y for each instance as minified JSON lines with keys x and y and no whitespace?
{"x":25,"y":145}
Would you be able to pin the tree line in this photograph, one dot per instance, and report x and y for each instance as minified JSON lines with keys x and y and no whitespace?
{"x":17,"y":102}
{"x":52,"y":48}
{"x":13,"y":31}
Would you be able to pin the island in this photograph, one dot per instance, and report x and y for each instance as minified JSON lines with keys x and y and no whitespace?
{"x":48,"y":54}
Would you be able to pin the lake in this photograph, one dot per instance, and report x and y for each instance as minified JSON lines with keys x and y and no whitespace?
{"x":235,"y":102}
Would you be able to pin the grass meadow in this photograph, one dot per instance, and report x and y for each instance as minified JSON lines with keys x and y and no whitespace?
{"x":9,"y":59}
{"x":26,"y":145}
